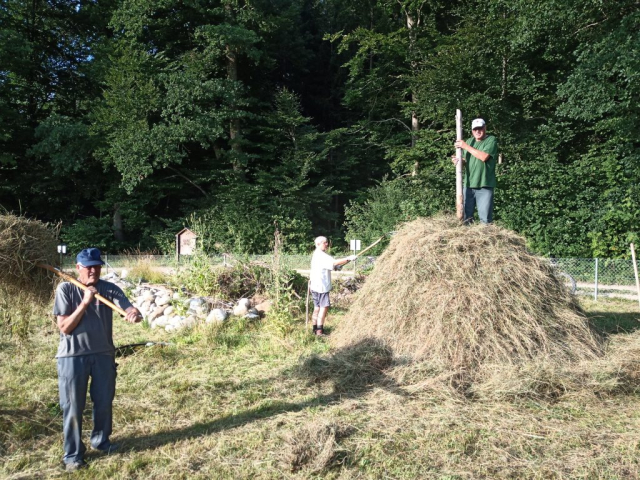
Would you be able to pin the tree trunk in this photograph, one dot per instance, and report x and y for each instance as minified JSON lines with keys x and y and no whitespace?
{"x":118,"y":231}
{"x":232,"y":74}
{"x":415,"y":123}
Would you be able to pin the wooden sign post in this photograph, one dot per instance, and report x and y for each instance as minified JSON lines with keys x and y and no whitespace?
{"x":459,"y":197}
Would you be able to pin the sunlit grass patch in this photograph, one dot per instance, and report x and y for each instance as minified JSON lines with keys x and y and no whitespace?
{"x":242,"y":401}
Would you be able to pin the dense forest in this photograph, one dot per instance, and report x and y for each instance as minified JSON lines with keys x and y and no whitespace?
{"x":126,"y":120}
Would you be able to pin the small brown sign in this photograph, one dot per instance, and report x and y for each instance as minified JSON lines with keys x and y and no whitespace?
{"x":185,"y":242}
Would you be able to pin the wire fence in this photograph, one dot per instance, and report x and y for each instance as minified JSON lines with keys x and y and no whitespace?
{"x":608,"y":277}
{"x":588,"y":276}
{"x":294,"y":262}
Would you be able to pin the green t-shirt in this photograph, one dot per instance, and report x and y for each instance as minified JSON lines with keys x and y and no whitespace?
{"x":478,"y":174}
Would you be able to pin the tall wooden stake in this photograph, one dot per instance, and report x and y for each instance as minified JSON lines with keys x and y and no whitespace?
{"x":306,"y":303}
{"x":459,"y":198}
{"x":635,"y":269}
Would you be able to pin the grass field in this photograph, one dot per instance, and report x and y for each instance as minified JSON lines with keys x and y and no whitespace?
{"x":240,"y":402}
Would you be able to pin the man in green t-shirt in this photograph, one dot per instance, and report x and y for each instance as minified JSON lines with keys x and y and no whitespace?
{"x":480,"y":158}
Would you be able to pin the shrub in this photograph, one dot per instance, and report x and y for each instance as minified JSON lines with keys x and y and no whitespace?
{"x":198,"y":276}
{"x":88,"y":232}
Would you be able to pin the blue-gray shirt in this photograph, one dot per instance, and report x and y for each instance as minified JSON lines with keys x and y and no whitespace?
{"x":94,"y":332}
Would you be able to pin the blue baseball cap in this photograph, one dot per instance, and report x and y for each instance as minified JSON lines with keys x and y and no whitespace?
{"x":89,"y":257}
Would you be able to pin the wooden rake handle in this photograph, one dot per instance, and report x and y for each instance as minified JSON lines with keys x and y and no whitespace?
{"x":371,"y":246}
{"x":70,"y":279}
{"x":376,"y":242}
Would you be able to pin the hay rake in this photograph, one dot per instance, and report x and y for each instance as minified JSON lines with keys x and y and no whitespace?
{"x":70,"y":279}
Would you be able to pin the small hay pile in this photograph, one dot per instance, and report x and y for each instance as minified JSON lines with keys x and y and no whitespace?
{"x":23,"y":244}
{"x":314,"y":447}
{"x":467,"y":297}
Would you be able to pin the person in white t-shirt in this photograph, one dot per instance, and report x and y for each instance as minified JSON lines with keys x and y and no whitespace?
{"x":320,"y":281}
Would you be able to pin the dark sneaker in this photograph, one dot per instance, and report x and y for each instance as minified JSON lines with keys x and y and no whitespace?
{"x":73,"y":466}
{"x":320,"y":333}
{"x":111,"y":448}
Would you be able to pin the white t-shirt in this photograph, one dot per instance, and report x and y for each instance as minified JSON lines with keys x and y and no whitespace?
{"x":321,"y":266}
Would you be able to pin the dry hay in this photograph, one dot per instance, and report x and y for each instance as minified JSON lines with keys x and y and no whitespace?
{"x":314,"y":447}
{"x":467,"y":297}
{"x":23,"y":244}
{"x":617,"y":372}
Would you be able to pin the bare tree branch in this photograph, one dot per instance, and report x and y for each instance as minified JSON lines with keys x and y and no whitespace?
{"x":180,"y":174}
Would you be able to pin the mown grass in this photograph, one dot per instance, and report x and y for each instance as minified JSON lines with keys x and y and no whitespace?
{"x":243,"y":401}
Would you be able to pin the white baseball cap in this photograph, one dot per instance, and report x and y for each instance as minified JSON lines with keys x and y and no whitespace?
{"x":477,"y":123}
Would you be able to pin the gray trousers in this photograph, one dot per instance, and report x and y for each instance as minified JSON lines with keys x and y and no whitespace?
{"x":483,"y":198}
{"x":73,"y":380}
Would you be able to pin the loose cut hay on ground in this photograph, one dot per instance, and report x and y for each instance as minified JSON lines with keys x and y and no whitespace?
{"x":23,"y":244}
{"x":313,"y":447}
{"x":464,"y":297}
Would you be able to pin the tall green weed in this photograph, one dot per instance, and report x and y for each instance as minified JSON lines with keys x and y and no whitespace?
{"x":285,"y":288}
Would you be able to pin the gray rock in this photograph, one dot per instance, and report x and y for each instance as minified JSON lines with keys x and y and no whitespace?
{"x":217,"y":315}
{"x":195,"y":303}
{"x":240,"y":310}
{"x":161,"y":321}
{"x":157,"y":311}
{"x":146,"y":306}
{"x":145,"y":296}
{"x":163,"y":300}
{"x":264,"y":307}
{"x":189,"y":322}
{"x":245,"y":302}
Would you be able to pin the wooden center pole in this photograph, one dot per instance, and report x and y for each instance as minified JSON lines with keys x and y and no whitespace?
{"x":459,"y":197}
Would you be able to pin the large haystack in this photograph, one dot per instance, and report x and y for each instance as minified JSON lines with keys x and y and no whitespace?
{"x":23,"y":244}
{"x":466,"y":296}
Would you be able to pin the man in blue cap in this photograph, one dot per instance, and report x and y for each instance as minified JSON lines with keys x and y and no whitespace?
{"x":86,"y":350}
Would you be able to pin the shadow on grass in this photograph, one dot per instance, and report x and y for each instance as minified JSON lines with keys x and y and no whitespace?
{"x":353,"y":371}
{"x":19,"y":425}
{"x":609,"y":323}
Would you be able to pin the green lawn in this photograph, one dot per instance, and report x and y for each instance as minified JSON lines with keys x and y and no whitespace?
{"x":244,"y":402}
